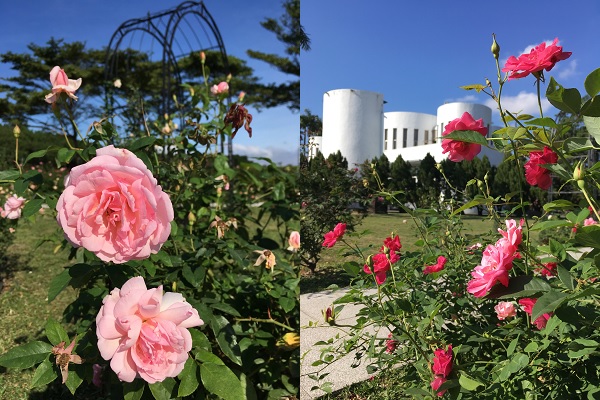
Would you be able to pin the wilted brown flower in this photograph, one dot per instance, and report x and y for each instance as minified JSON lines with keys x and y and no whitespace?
{"x":238,"y":116}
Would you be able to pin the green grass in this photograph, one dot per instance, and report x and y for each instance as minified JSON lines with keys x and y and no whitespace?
{"x":24,"y":307}
{"x":371,"y":232}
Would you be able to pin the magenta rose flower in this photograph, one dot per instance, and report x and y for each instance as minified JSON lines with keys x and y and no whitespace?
{"x":12,"y":207}
{"x":535,"y":173}
{"x":527,"y":303}
{"x":442,"y":367}
{"x":462,"y":150}
{"x":540,"y":58}
{"x":333,"y":236}
{"x":381,"y":265}
{"x":505,"y":309}
{"x":113,"y":207}
{"x":437,"y":267}
{"x":513,"y":236}
{"x":495,"y":265}
{"x":392,"y":243}
{"x":143,"y":332}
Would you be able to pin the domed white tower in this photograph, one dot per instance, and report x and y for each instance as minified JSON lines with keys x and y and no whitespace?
{"x":352,"y":124}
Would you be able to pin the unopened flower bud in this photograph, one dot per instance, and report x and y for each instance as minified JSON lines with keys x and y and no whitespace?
{"x":480,"y":185}
{"x":202,"y":57}
{"x":241,"y":96}
{"x":191,"y":218}
{"x":16,"y":131}
{"x":495,"y":47}
{"x":329,"y":315}
{"x":370,"y":262}
{"x":228,"y":78}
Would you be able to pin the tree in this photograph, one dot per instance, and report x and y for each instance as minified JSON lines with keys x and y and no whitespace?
{"x":288,"y":31}
{"x":310,"y":125}
{"x":401,"y":175}
{"x":428,"y":183}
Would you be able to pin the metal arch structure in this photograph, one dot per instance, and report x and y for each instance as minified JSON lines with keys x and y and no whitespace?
{"x":163,"y":27}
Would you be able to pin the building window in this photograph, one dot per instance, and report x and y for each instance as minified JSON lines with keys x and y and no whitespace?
{"x":404,"y":137}
{"x":385,"y":139}
{"x":416,"y":138}
{"x":426,"y":137}
{"x":434,"y":134}
{"x":489,"y":134}
{"x":394,"y":139}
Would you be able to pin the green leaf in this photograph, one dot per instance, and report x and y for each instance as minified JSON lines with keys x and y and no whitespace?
{"x":588,"y":236}
{"x":558,"y":205}
{"x":592,"y":125}
{"x":226,"y":338}
{"x":477,"y":87}
{"x":279,"y":191}
{"x":547,"y":122}
{"x":64,"y":155}
{"x":557,"y":249}
{"x":26,"y":355}
{"x":133,"y":390}
{"x":35,"y":154}
{"x":352,"y":268}
{"x":146,"y":141}
{"x":519,"y":286}
{"x":189,"y":378}
{"x":511,"y":347}
{"x":164,"y":390}
{"x":75,"y":275}
{"x":547,"y":303}
{"x":32,"y":207}
{"x":226,"y":308}
{"x":475,"y":202}
{"x":540,"y":226}
{"x":591,"y":108}
{"x":574,"y":145}
{"x":199,"y":339}
{"x":468,"y":383}
{"x":75,"y":377}
{"x":208,"y":357}
{"x":565,"y":277}
{"x":221,"y":381}
{"x":581,"y":347}
{"x":531,"y":347}
{"x":56,"y":333}
{"x":44,"y":374}
{"x":9,"y":175}
{"x":592,"y":83}
{"x":568,"y":100}
{"x":287,"y":304}
{"x":467,"y":136}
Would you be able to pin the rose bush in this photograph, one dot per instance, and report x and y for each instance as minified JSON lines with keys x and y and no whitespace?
{"x":514,"y":313}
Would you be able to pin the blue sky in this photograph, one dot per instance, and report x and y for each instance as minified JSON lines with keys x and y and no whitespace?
{"x":275,"y":131}
{"x":418,"y":53}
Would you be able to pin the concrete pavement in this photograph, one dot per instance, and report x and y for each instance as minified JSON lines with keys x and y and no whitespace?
{"x":341,"y":372}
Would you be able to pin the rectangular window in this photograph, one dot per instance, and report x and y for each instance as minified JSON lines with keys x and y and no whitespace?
{"x":395,"y":134}
{"x":416,"y":138}
{"x":404,"y":137}
{"x":385,"y":139}
{"x":426,"y":137}
{"x":434,"y":134}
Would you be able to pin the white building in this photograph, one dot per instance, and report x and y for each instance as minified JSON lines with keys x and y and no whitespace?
{"x":354,"y":123}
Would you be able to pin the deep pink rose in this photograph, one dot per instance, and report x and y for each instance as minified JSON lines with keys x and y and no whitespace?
{"x":381,"y":265}
{"x":390,"y":344}
{"x":442,"y":366}
{"x":113,"y":207}
{"x":222,"y":87}
{"x":540,"y":58}
{"x":513,"y":235}
{"x":548,"y":269}
{"x":527,"y":304}
{"x":12,"y":207}
{"x":333,"y":236}
{"x":535,"y":174}
{"x":495,"y":264}
{"x":437,"y":267}
{"x":143,"y":332}
{"x":62,"y":84}
{"x":462,"y":150}
{"x":505,"y":309}
{"x":589,"y":221}
{"x":392,"y":243}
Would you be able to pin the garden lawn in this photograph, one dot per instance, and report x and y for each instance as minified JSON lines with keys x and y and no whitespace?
{"x":24,"y":307}
{"x":370,"y":234}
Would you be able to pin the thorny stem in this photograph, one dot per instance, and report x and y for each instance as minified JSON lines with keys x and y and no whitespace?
{"x":17,"y":155}
{"x":266,"y":320}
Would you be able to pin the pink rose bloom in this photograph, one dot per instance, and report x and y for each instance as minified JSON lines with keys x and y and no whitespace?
{"x":540,"y":58}
{"x":495,"y":264}
{"x":113,"y":207}
{"x":143,"y":332}
{"x":381,"y":265}
{"x":442,"y":367}
{"x":294,"y":241}
{"x":548,"y":269}
{"x":527,"y":304}
{"x":12,"y":207}
{"x":392,"y":243}
{"x":513,"y":235}
{"x":62,"y":84}
{"x":535,"y":174}
{"x":462,"y":150}
{"x":437,"y":267}
{"x":390,"y":344}
{"x":505,"y":309}
{"x":589,"y":221}
{"x":222,"y":87}
{"x":333,"y":236}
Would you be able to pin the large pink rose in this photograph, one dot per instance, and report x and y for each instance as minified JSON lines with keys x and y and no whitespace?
{"x":62,"y":84}
{"x":12,"y":207}
{"x":513,"y":235}
{"x":537,"y":175}
{"x":113,"y":207}
{"x":540,"y":58}
{"x":495,"y":265}
{"x":462,"y":150}
{"x":144,"y":332}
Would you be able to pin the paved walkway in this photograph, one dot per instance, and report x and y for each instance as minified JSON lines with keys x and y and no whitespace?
{"x":341,"y":373}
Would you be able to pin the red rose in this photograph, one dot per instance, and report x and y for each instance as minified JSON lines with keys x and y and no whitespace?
{"x":333,"y":236}
{"x":437,"y":267}
{"x":539,"y":58}
{"x":462,"y":150}
{"x":535,"y":174}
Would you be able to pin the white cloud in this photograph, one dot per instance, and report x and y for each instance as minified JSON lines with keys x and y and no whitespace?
{"x":568,"y":71}
{"x":522,"y":103}
{"x":279,"y":155}
{"x":470,"y":98}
